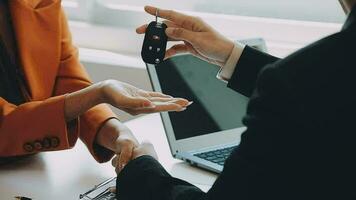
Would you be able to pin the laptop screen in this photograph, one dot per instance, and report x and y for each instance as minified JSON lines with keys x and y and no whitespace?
{"x":216,"y":107}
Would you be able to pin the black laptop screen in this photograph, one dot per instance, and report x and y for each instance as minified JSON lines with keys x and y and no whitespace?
{"x":215,"y":108}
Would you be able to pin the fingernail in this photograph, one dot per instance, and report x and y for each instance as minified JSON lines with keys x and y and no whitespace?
{"x":190,"y":103}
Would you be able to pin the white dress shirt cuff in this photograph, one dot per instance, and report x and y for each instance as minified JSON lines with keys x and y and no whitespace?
{"x":228,"y":69}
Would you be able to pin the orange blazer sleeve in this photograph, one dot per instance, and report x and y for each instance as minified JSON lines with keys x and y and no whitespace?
{"x":72,"y":77}
{"x":21,"y":135}
{"x":38,"y":125}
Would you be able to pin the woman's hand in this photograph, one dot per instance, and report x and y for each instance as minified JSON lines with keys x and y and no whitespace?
{"x":123,"y":96}
{"x":136,"y":101}
{"x":198,"y":37}
{"x":117,"y":137}
{"x":113,"y":134}
{"x":145,"y":148}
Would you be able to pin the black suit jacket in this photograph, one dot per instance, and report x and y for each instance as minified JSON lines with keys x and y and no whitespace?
{"x":300,"y":141}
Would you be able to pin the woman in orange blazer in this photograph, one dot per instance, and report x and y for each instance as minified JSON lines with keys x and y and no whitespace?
{"x":47,"y":100}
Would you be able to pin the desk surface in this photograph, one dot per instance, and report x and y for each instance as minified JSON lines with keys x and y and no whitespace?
{"x":66,"y":174}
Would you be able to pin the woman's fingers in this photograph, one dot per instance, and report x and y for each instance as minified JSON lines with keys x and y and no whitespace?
{"x":124,"y":151}
{"x":159,"y":107}
{"x":154,"y":100}
{"x":114,"y":163}
{"x":158,"y":101}
{"x":168,"y":106}
{"x":136,"y":102}
{"x":125,"y":156}
{"x":149,"y":95}
{"x":160,"y":104}
{"x":163,"y":107}
{"x":158,"y":94}
{"x":146,"y":148}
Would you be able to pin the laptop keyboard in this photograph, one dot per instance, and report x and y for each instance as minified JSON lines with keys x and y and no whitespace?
{"x":216,"y":156}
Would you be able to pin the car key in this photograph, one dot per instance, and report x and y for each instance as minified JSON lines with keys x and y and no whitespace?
{"x":155,"y":42}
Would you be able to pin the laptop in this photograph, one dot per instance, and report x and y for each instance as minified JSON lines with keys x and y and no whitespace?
{"x":207,"y":132}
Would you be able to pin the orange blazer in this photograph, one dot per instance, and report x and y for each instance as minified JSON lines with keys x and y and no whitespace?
{"x":52,"y":69}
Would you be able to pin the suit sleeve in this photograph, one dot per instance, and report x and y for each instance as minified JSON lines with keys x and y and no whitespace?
{"x":243,"y":80}
{"x":244,"y":174}
{"x":72,"y":77}
{"x":145,"y":177}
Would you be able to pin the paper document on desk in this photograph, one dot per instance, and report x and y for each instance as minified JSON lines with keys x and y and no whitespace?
{"x":103,"y":191}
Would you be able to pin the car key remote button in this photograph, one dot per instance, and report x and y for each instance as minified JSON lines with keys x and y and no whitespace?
{"x":155,"y":38}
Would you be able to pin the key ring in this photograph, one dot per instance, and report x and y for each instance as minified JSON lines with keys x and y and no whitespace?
{"x":157,"y":13}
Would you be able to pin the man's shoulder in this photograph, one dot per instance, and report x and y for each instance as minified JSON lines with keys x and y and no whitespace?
{"x":322,"y":56}
{"x":316,"y":67}
{"x":320,"y":51}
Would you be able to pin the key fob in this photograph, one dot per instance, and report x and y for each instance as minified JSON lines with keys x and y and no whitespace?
{"x":155,"y":43}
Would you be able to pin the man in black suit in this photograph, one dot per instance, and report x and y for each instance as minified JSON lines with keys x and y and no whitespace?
{"x":300,"y":141}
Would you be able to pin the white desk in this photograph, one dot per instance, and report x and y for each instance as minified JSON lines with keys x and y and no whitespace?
{"x":66,"y":174}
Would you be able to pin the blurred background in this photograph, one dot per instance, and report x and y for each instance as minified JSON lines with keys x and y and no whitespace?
{"x":104,"y":30}
{"x":304,"y":10}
